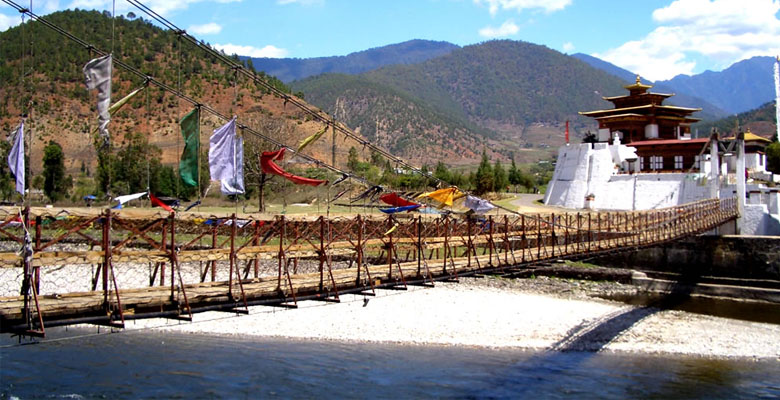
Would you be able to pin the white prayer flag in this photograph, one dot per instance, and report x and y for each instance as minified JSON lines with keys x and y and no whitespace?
{"x":479,"y":206}
{"x":97,"y":73}
{"x":226,"y":158}
{"x":16,"y":158}
{"x":124,"y":199}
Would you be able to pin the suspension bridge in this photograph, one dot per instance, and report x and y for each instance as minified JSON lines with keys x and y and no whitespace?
{"x":69,"y":266}
{"x":107,"y":267}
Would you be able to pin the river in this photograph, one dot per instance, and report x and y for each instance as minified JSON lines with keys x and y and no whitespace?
{"x":77,"y":363}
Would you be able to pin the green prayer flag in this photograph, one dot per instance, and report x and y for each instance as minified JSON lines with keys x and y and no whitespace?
{"x":190,"y":130}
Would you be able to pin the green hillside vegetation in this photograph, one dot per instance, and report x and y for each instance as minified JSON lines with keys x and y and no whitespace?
{"x":760,"y":121}
{"x":61,"y":112}
{"x":492,"y":94}
{"x":393,"y":118}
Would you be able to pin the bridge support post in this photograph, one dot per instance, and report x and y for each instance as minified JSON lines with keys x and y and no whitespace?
{"x":741,"y":181}
{"x":714,"y":167}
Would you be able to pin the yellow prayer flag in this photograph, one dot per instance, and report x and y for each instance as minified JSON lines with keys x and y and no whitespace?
{"x":445,"y":196}
{"x":312,"y":138}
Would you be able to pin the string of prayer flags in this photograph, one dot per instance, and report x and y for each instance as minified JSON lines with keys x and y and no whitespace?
{"x":188,"y":164}
{"x":97,"y":74}
{"x":269,"y":167}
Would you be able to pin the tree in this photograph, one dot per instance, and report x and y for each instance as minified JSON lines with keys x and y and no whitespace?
{"x":773,"y":157}
{"x":352,"y":159}
{"x":7,"y":182}
{"x":483,"y":179}
{"x":54,"y":172}
{"x":500,"y":179}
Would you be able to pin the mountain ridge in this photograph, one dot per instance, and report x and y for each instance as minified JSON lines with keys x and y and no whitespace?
{"x":408,"y":52}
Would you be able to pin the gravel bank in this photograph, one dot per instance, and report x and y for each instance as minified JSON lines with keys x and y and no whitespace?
{"x":541,"y":313}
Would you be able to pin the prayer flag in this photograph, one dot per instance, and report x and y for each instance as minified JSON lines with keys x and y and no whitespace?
{"x":394,"y":210}
{"x":124,"y":199}
{"x":226,"y":158}
{"x":312,"y":138}
{"x":479,"y":206}
{"x":269,"y":167}
{"x":395,"y":200}
{"x":190,"y":130}
{"x":16,"y":158}
{"x":445,"y":196}
{"x":119,"y":104}
{"x":157,"y":202}
{"x":97,"y":74}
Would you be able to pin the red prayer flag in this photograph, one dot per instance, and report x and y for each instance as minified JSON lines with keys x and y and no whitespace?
{"x":159,"y":202}
{"x":395,"y":200}
{"x":269,"y":167}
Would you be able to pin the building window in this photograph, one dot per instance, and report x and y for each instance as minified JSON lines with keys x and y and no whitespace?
{"x":697,"y":162}
{"x":678,"y":162}
{"x":656,"y":162}
{"x":641,"y":163}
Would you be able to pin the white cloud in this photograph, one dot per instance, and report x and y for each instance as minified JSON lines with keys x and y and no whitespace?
{"x":568,"y":47}
{"x":301,"y":2}
{"x":724,"y":31}
{"x":249,"y":51}
{"x":508,"y":28}
{"x":7,"y":22}
{"x":205,"y":29}
{"x":520,"y":5}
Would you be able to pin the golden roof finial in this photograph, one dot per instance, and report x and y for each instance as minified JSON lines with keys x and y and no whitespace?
{"x":638,"y":81}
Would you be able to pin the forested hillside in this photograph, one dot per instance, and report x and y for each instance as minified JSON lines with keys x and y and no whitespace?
{"x":41,"y":78}
{"x":760,"y":121}
{"x":513,"y":97}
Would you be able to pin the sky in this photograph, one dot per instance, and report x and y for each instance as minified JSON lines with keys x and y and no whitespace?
{"x":657,"y":39}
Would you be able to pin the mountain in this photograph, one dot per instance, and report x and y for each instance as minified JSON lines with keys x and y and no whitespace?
{"x":760,"y":121}
{"x":513,"y":96}
{"x":741,"y":87}
{"x":709,"y":110}
{"x":410,"y":52}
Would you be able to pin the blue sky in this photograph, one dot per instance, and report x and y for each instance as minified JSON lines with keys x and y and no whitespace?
{"x":656,"y":38}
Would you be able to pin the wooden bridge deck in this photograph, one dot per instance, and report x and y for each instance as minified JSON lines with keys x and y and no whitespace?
{"x":342,"y":255}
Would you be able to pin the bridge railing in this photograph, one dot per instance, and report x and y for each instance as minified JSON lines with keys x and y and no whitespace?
{"x":109,"y":254}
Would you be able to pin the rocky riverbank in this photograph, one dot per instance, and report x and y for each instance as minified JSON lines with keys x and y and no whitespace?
{"x":539,"y":313}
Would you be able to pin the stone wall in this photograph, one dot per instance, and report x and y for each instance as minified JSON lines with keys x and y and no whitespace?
{"x":749,"y":257}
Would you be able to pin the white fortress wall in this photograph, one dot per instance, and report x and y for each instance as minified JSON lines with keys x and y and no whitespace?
{"x":569,"y":184}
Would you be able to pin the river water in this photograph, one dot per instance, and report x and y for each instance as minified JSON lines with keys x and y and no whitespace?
{"x":150,"y":364}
